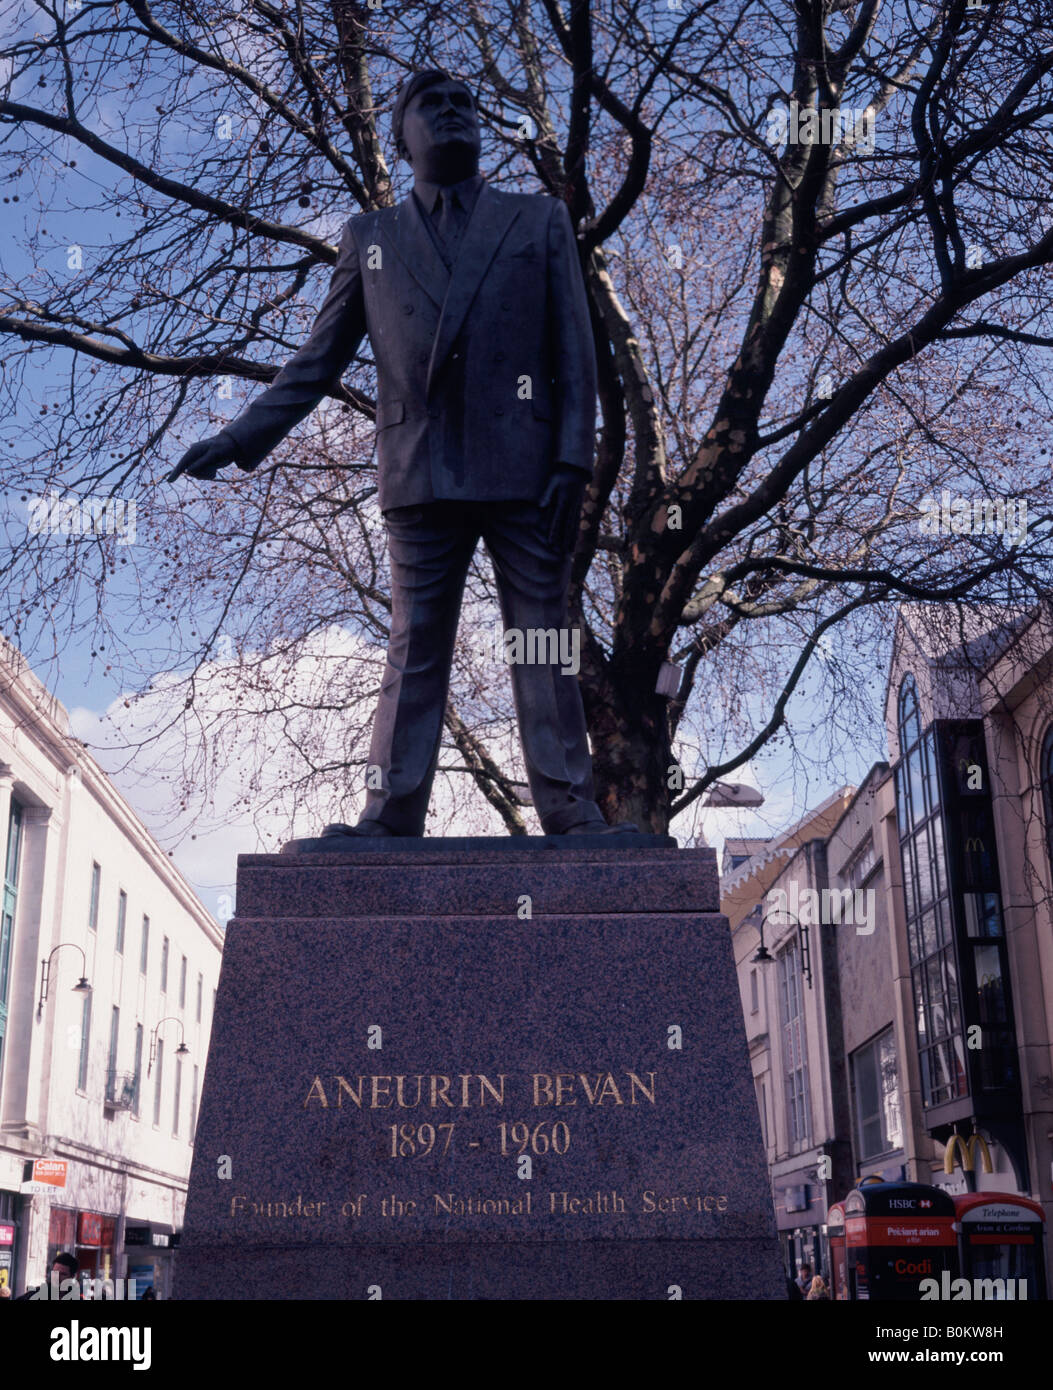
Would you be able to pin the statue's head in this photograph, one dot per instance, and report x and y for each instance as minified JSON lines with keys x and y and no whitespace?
{"x":436,"y":127}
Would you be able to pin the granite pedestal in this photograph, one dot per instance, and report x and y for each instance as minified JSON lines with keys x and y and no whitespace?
{"x":479,"y":1069}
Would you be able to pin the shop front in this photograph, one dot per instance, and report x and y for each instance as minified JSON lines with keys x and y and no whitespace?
{"x":89,"y":1235}
{"x":149,"y":1247}
{"x":800,"y":1210}
{"x":10,"y":1230}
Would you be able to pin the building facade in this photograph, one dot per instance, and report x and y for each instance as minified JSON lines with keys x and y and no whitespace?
{"x":108,"y":970}
{"x":897,"y":970}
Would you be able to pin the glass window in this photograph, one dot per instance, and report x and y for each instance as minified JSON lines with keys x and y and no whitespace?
{"x":929,"y":941}
{"x":862,"y":864}
{"x":122,"y":917}
{"x":144,"y":949}
{"x":920,"y":1009}
{"x":989,"y":984}
{"x":85,"y":1039}
{"x":193,"y":1107}
{"x":93,"y":901}
{"x":875,"y":1083}
{"x":795,"y":1066}
{"x":926,"y":876}
{"x":200,"y":992}
{"x":164,"y":966}
{"x":917,"y":793}
{"x":182,"y":984}
{"x":926,"y":897}
{"x":138,"y":1074}
{"x":939,"y":856}
{"x":983,"y":914}
{"x":178,"y":1089}
{"x":7,"y":907}
{"x":909,"y":719}
{"x":157,"y":1083}
{"x":111,"y":1061}
{"x":910,"y":878}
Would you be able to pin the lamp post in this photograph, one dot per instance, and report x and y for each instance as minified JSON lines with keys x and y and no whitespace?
{"x":762,"y":956}
{"x":803,"y":940}
{"x":81,"y":987}
{"x":181,"y":1051}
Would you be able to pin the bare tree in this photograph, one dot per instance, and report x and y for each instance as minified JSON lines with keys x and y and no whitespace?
{"x":817,"y":243}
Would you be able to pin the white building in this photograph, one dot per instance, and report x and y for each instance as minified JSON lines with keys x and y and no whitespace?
{"x":93,"y":1081}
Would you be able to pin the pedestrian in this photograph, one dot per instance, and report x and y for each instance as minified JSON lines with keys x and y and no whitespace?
{"x":818,"y":1289}
{"x":793,"y":1293}
{"x":148,"y":1295}
{"x":63,"y":1268}
{"x":804,"y":1277}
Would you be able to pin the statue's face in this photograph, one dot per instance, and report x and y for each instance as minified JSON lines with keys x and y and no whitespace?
{"x":440,"y":120}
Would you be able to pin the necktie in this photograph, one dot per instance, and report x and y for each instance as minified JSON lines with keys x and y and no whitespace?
{"x":448,"y":223}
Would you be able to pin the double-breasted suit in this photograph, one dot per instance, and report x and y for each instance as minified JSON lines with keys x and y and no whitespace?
{"x":486,"y":380}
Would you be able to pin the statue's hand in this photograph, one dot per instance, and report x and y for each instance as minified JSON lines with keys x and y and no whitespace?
{"x":561,"y":505}
{"x":204,"y":459}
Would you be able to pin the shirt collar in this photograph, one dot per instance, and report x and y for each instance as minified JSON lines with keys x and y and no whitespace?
{"x":466,"y":191}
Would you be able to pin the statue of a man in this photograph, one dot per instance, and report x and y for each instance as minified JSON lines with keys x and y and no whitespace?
{"x":474,"y":303}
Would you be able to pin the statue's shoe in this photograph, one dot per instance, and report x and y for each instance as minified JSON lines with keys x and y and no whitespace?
{"x":337,"y":836}
{"x":600,"y":827}
{"x":374,"y":828}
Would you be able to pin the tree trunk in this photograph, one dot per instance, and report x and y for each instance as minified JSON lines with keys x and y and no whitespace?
{"x":632,"y":757}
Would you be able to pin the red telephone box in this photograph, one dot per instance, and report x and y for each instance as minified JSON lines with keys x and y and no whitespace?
{"x":896,"y":1235}
{"x":1000,"y":1241}
{"x":835,"y":1235}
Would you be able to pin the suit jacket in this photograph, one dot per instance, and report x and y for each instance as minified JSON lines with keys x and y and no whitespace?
{"x":486,"y":374}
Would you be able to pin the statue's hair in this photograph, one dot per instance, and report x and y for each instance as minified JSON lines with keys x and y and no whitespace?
{"x":427,"y":77}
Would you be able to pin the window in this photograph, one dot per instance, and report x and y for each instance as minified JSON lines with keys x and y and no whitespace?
{"x":862,"y":864}
{"x":138,"y":1075}
{"x":122,"y":917}
{"x":1046,"y":775}
{"x":85,"y":1038}
{"x":200,"y":992}
{"x":754,"y":995}
{"x":7,"y":910}
{"x":795,"y":1065}
{"x":762,"y":1108}
{"x":164,"y":966}
{"x":193,"y":1108}
{"x":93,"y":902}
{"x":157,"y":1083}
{"x":875,"y":1097}
{"x":144,"y":949}
{"x":111,"y":1061}
{"x":929,"y":911}
{"x":182,"y":984}
{"x":178,"y":1089}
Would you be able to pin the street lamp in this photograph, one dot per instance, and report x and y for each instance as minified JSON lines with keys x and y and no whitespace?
{"x":81,"y":987}
{"x":763,"y":956}
{"x":803,"y":940}
{"x":181,"y":1051}
{"x":733,"y":794}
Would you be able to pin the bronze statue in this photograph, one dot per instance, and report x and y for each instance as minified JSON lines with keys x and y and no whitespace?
{"x":475,"y":306}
